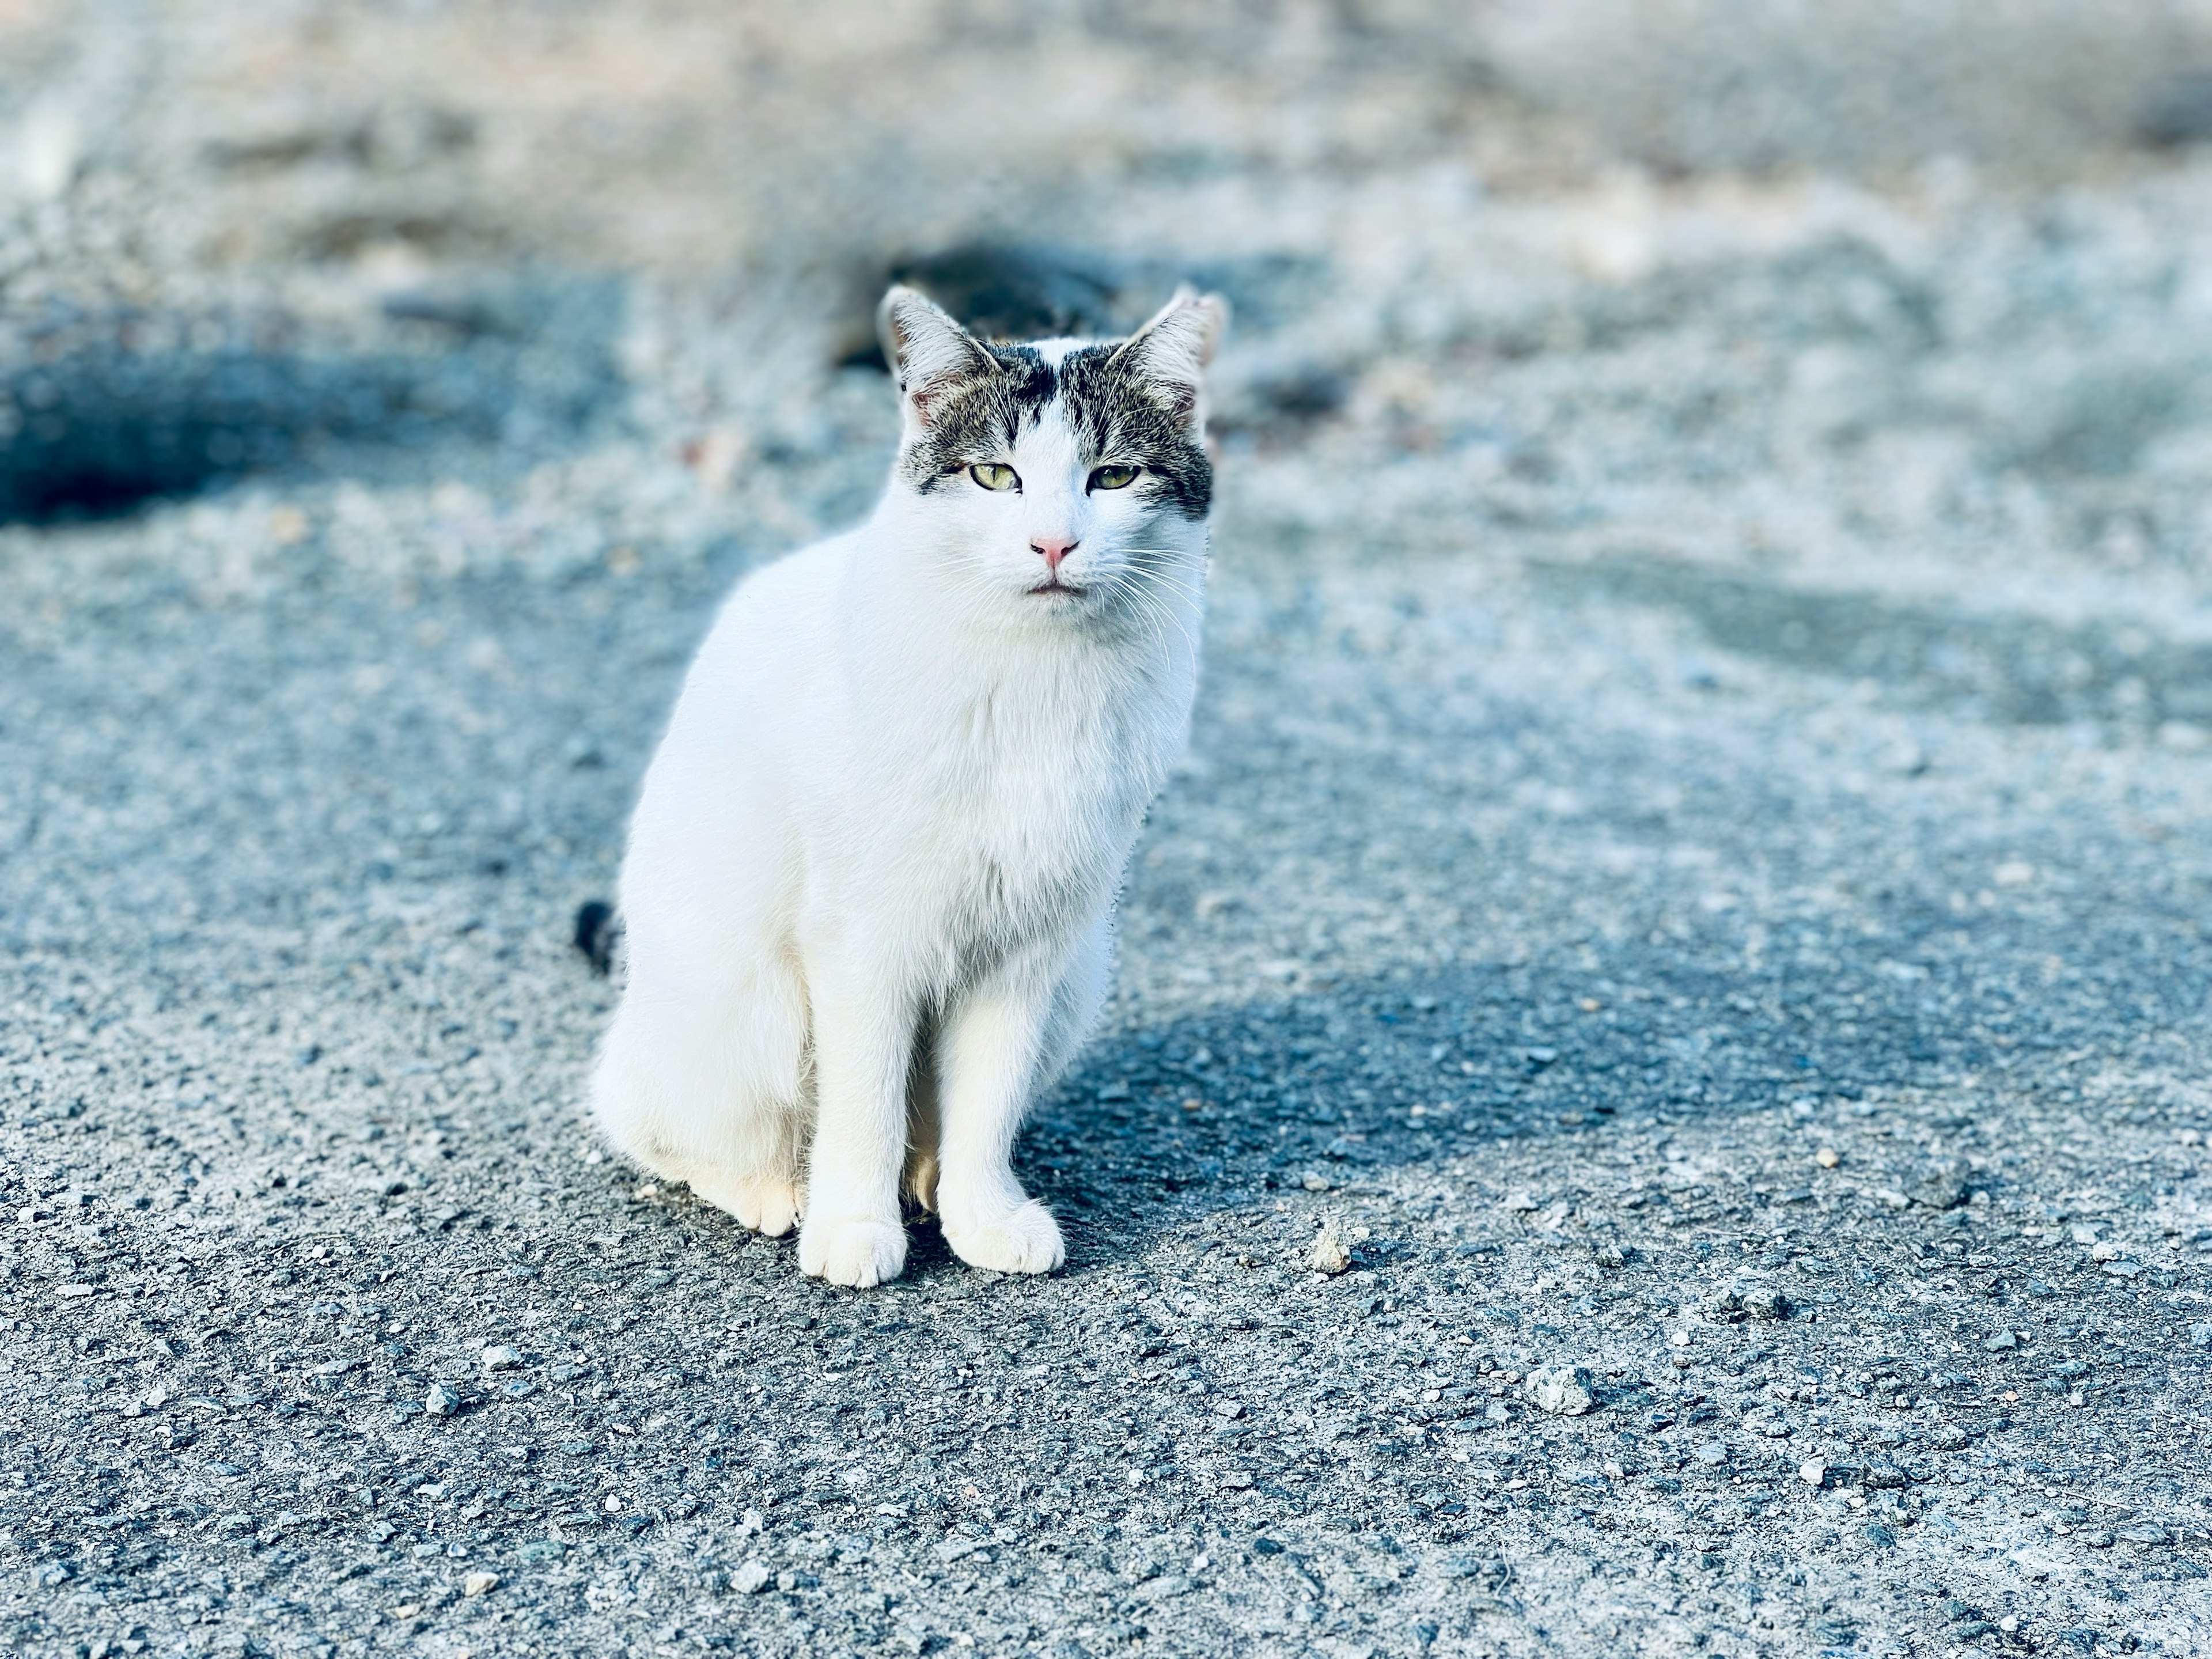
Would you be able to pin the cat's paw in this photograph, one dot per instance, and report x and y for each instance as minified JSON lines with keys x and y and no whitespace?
{"x":766,"y":1204}
{"x":1025,"y":1240}
{"x":853,"y":1253}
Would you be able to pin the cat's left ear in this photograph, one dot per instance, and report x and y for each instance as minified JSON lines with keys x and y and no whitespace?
{"x":1171,"y":352}
{"x":929,"y":353}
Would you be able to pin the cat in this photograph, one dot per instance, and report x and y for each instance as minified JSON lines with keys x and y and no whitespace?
{"x":867,"y":902}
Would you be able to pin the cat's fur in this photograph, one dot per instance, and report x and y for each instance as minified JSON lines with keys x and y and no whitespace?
{"x":869,"y":892}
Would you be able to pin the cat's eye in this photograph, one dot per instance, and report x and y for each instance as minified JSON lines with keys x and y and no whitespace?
{"x":992,"y":476}
{"x":1113,"y":477}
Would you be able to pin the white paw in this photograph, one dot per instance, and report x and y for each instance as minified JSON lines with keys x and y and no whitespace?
{"x":1024,"y":1241}
{"x":857,"y":1254}
{"x":766,"y":1204}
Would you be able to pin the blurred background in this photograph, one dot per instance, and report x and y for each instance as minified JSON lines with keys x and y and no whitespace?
{"x":1901,"y":281}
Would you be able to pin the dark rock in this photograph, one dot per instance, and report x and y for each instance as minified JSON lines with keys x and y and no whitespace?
{"x":1766,"y":1303}
{"x":1943,"y":1186}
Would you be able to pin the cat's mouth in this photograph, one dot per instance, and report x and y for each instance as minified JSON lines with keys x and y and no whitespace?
{"x":1055,"y":586}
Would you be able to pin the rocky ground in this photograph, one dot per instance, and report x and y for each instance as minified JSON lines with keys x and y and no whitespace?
{"x":1689,"y":896}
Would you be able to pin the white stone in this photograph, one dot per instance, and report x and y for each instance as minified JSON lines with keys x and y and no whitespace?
{"x":1561,"y":1390}
{"x":1328,"y":1254}
{"x":752,"y":1577}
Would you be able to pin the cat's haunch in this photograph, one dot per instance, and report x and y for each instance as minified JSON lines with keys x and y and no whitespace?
{"x":867,"y":904}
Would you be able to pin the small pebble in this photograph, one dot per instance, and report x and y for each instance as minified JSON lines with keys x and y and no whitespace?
{"x":1314,"y":1182}
{"x":1766,"y":1303}
{"x":2001,"y":1342}
{"x":1942,"y":1188}
{"x":752,"y":1577}
{"x":500,"y":1358}
{"x":1561,"y":1390}
{"x":1827,"y":1157}
{"x":1814,"y":1470}
{"x":1328,"y":1254}
{"x":1712,"y":1454}
{"x":443,"y":1400}
{"x":480,"y":1583}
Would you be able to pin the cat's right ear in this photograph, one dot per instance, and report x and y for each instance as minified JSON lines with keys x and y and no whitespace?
{"x":929,"y":353}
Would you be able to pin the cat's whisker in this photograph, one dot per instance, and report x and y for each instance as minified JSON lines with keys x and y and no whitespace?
{"x":1149,"y":606}
{"x":1150,"y":592}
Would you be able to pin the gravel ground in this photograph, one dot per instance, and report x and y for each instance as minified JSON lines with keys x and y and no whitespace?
{"x":1689,"y":900}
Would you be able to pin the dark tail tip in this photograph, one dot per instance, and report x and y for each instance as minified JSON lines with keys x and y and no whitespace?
{"x":596,"y":933}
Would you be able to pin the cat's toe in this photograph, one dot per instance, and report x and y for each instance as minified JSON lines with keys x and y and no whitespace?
{"x":769,"y":1207}
{"x":853,"y":1253}
{"x":1025,"y":1241}
{"x":766,"y":1204}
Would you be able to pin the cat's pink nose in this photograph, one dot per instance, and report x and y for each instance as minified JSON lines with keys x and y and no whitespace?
{"x":1053,"y":552}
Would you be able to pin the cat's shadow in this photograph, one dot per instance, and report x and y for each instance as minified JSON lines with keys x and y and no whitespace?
{"x":1235,"y":1106}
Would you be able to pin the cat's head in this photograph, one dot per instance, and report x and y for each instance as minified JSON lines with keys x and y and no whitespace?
{"x":1066,"y":477}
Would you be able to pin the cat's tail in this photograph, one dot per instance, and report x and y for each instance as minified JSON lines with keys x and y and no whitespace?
{"x":597,"y":934}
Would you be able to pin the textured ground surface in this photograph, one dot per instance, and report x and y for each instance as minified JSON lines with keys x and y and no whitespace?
{"x":1692,"y":867}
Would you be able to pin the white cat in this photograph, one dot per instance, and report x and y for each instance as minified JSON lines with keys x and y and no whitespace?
{"x":869,"y":893}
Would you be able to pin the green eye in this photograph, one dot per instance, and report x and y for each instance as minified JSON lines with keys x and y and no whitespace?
{"x":1114,"y":478}
{"x":992,"y":476}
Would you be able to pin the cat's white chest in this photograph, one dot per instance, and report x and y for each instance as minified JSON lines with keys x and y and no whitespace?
{"x":1018,"y":808}
{"x":1041,"y":789}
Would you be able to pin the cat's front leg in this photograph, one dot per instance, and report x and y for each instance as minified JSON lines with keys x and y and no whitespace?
{"x":863,"y":1035}
{"x":989,"y":1058}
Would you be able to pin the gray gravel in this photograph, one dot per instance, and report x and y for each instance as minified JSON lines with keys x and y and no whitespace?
{"x":1655,"y":1096}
